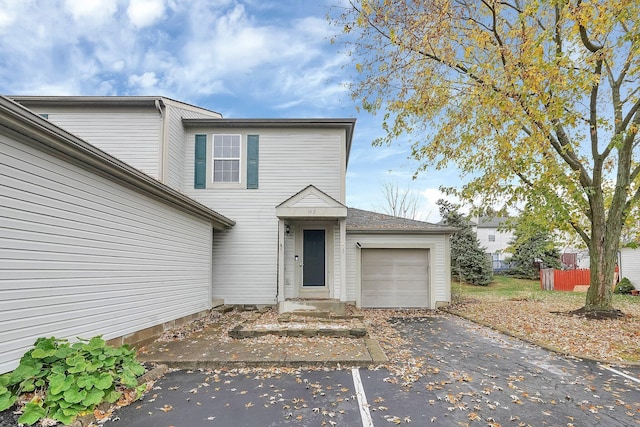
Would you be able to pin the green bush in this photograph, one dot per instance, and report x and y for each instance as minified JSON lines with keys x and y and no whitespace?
{"x":469,"y":262}
{"x":624,"y":286}
{"x":69,"y":379}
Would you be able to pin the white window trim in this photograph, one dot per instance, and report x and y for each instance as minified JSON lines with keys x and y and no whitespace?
{"x":242,"y":160}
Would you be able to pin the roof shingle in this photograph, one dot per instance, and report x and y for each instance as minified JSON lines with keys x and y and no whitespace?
{"x":361,"y":220}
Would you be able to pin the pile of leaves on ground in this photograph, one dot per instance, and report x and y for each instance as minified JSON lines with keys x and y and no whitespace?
{"x":547,"y":320}
{"x":405,"y":367}
{"x":180,"y":332}
{"x":271,"y":319}
{"x":58,"y":381}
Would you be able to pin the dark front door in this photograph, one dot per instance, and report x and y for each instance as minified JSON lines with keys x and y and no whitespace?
{"x":313,"y":264}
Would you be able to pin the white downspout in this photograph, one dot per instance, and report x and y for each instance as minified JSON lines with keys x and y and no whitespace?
{"x":343,"y":260}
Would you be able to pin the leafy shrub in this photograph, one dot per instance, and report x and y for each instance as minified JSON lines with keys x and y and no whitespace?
{"x":624,"y":286}
{"x":529,"y":251}
{"x":469,"y":262}
{"x":69,"y":379}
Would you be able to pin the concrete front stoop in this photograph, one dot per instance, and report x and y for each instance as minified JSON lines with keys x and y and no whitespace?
{"x":307,"y":322}
{"x":323,"y":345}
{"x":331,"y":305}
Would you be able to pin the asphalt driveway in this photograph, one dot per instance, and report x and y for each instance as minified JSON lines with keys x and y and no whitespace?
{"x":455,"y":373}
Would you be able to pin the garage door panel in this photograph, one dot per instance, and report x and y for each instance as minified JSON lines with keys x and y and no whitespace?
{"x":395,"y":278}
{"x":396,"y":299}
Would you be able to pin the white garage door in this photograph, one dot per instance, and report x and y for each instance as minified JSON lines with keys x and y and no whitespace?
{"x":395,"y":278}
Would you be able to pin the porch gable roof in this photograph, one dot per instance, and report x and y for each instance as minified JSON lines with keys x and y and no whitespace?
{"x":310,"y":202}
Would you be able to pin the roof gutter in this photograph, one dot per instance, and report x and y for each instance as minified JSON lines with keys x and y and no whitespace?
{"x":348,"y":124}
{"x":17,"y":120}
{"x":443,"y":230}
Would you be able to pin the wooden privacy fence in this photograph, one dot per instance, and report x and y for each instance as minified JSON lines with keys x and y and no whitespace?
{"x":563,"y":280}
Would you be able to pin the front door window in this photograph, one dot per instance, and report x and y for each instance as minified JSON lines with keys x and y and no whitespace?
{"x":313,"y":270}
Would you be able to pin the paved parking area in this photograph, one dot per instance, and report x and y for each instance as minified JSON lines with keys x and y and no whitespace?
{"x":457,"y":373}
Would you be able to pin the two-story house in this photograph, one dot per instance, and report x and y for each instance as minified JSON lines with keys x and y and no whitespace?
{"x":134,"y":213}
{"x":494,"y":239}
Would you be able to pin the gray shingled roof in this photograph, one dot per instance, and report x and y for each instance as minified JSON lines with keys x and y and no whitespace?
{"x":360,"y":220}
{"x":491,"y":222}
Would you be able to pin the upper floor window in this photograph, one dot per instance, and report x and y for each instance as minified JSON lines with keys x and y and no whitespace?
{"x":226,"y":158}
{"x":492,"y":237}
{"x":226,"y":161}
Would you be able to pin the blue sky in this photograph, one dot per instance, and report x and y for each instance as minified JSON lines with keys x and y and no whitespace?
{"x":251,"y":58}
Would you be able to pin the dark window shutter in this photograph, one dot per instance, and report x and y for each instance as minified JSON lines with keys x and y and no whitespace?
{"x":252,"y":161}
{"x":200,"y":170}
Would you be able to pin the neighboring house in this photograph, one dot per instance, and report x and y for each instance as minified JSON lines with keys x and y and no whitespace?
{"x":494,"y":239}
{"x":630,"y":265}
{"x":273,"y":191}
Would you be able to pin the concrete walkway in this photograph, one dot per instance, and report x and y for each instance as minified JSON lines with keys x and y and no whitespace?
{"x":212,"y":348}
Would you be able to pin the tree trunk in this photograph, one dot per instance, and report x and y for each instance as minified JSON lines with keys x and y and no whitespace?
{"x":603,"y":254}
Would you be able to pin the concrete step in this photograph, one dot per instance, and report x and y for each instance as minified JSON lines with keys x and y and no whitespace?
{"x":223,"y":308}
{"x":248,"y":331}
{"x":307,"y":313}
{"x":299,"y":305}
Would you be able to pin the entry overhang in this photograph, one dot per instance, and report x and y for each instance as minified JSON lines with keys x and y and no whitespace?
{"x":311,"y":203}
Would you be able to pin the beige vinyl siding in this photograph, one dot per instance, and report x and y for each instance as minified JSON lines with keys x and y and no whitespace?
{"x":132,"y":135}
{"x":81,"y":255}
{"x":175,"y":150}
{"x":498,"y":245}
{"x":630,"y":265}
{"x":246,"y":256}
{"x":440,"y":280}
{"x":176,"y":142}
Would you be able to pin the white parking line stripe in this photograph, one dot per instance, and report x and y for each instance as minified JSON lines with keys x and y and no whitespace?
{"x":365,"y":415}
{"x":615,"y":371}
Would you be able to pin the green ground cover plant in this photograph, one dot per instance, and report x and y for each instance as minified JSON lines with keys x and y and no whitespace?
{"x":64,"y":380}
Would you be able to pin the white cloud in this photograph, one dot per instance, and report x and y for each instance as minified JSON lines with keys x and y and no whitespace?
{"x":118,"y":65}
{"x":9,"y":11}
{"x":146,"y":80}
{"x":91,"y":10}
{"x":246,"y":51}
{"x":289,"y":104}
{"x":143,"y":13}
{"x":429,"y":198}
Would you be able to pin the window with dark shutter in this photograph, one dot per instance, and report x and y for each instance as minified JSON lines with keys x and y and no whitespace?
{"x":252,"y":161}
{"x":200,"y":169}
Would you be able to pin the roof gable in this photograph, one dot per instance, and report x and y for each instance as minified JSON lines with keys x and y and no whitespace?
{"x":311,"y":202}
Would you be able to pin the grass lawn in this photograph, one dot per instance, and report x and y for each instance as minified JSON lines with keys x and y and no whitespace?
{"x":520,"y":308}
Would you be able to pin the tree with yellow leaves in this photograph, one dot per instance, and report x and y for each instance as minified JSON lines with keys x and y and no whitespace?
{"x":535,"y":101}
